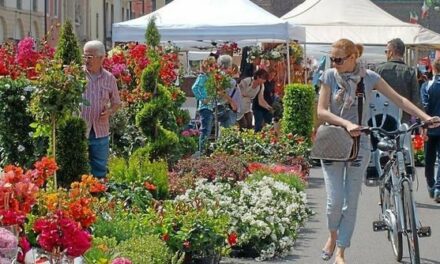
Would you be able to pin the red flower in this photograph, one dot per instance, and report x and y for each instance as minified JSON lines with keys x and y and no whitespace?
{"x":165,"y":237}
{"x":418,"y":142}
{"x":150,"y":186}
{"x":186,"y":244}
{"x":232,"y":239}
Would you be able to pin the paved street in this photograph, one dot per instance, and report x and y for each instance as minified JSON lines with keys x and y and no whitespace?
{"x":368,"y":247}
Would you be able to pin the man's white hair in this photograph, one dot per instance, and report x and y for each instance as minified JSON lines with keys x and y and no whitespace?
{"x":97,"y":46}
{"x":224,"y":61}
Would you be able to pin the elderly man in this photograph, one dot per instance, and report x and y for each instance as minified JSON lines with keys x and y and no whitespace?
{"x":398,"y":75}
{"x":103,"y":97}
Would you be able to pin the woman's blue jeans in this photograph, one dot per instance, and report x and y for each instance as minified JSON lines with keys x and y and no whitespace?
{"x":343,"y":183}
{"x":98,"y":155}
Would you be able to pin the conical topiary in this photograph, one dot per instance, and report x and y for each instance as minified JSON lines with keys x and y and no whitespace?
{"x":68,"y":49}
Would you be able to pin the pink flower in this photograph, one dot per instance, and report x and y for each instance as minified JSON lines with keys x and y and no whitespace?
{"x":118,"y":69}
{"x":121,"y":260}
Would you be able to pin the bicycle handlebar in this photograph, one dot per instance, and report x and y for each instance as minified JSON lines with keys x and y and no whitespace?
{"x":396,"y":132}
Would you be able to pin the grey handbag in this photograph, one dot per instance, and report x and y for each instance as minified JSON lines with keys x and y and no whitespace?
{"x":334,"y":142}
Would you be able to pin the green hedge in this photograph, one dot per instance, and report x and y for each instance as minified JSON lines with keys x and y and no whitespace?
{"x":298,"y":104}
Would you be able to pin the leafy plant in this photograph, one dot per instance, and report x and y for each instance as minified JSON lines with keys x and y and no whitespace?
{"x":72,"y":155}
{"x":121,"y":224}
{"x":298,"y":105}
{"x":266,"y":146}
{"x":17,"y":146}
{"x":188,"y":229}
{"x":102,"y":251}
{"x":144,"y":249}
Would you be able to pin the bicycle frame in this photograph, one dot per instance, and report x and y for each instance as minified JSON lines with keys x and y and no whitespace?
{"x":399,"y":175}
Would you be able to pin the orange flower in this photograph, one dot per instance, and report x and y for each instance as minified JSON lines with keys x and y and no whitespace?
{"x":150,"y":186}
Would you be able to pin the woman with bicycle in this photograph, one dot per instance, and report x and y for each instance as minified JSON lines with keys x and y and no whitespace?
{"x":337,"y":105}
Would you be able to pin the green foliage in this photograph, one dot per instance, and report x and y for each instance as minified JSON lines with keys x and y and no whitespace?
{"x":17,"y":146}
{"x":298,"y":105}
{"x":102,"y":250}
{"x":150,"y":76}
{"x":144,"y":249}
{"x":72,"y":151}
{"x":126,"y":136}
{"x":58,"y":93}
{"x":120,"y":224}
{"x":159,"y":118}
{"x":152,"y":35}
{"x":266,"y":146}
{"x":188,"y":229}
{"x":139,"y":170}
{"x":67,"y":48}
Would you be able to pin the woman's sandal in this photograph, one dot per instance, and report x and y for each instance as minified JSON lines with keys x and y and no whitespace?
{"x":327,"y":255}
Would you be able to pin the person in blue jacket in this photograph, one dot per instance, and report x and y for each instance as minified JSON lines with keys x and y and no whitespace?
{"x":430,"y":97}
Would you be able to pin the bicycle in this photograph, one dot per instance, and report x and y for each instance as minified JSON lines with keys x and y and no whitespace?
{"x":398,"y":213}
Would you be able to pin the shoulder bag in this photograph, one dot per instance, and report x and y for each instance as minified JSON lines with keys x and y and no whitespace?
{"x":334,"y":142}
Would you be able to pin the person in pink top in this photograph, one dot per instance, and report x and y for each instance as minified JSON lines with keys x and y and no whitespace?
{"x":103,"y":100}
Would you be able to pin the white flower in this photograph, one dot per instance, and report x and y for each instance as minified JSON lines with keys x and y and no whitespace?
{"x":22,"y":98}
{"x":20,"y":148}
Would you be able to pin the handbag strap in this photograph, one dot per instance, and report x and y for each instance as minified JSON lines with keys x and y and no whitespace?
{"x":360,"y":93}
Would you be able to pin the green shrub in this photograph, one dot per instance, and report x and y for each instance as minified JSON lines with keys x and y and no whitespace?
{"x":103,"y":249}
{"x":17,"y":145}
{"x":145,"y":250}
{"x":298,"y":104}
{"x":68,"y":49}
{"x":72,"y":151}
{"x":121,"y":224}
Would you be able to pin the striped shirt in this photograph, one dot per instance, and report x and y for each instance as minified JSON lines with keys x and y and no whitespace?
{"x":101,"y":94}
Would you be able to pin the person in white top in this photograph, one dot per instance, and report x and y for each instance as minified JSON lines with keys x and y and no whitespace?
{"x":249,"y":88}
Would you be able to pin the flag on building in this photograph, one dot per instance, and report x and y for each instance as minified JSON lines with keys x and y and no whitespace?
{"x":425,"y":8}
{"x":413,"y":17}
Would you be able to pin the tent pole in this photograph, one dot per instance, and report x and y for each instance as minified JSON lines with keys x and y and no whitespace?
{"x":288,"y":61}
{"x":305,"y":60}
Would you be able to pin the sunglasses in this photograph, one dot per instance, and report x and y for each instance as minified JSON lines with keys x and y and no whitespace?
{"x":338,"y":61}
{"x":89,"y":57}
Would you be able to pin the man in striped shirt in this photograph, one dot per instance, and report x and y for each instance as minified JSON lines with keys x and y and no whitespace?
{"x":103,"y":97}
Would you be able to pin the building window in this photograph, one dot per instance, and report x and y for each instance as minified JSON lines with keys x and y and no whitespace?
{"x":34,"y":5}
{"x":123,"y":14}
{"x":19,"y":4}
{"x":168,"y":1}
{"x":55,"y":8}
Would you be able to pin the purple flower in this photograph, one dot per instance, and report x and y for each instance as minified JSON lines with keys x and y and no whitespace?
{"x":121,"y":260}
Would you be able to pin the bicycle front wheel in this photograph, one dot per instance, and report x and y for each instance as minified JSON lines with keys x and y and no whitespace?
{"x":389,"y":216}
{"x":410,"y":227}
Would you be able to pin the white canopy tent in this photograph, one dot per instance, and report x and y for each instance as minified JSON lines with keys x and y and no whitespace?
{"x":210,"y":20}
{"x":358,"y":20}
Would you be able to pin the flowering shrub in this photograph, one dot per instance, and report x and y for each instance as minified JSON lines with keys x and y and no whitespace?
{"x":18,"y":190}
{"x":266,"y":146}
{"x":190,"y":228}
{"x":127,"y":62}
{"x":277,"y":169}
{"x":229,"y":48}
{"x":254,"y":53}
{"x":23,"y":59}
{"x":58,"y":233}
{"x":218,"y":80}
{"x":264,"y":215}
{"x":418,"y":143}
{"x":222,"y":167}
